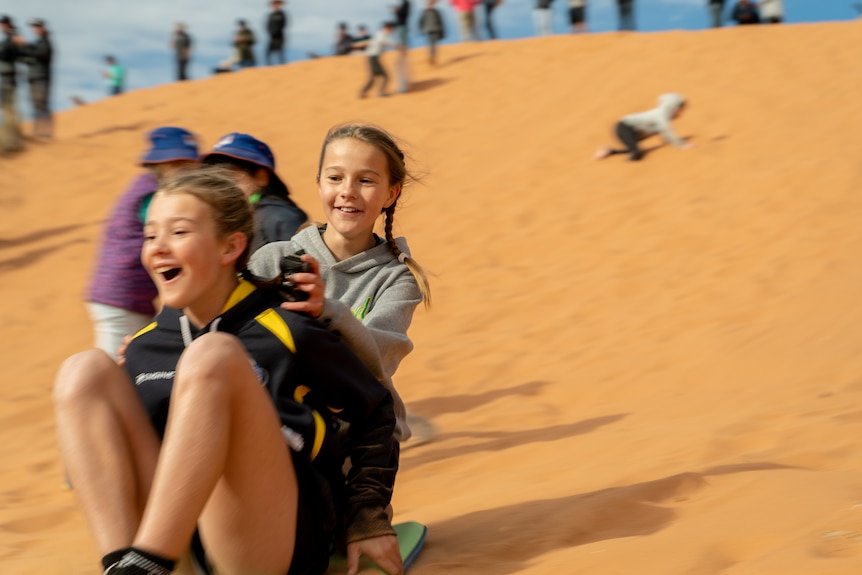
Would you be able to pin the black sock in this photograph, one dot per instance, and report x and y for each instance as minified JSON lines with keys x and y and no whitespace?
{"x":114,"y":557}
{"x":138,"y":562}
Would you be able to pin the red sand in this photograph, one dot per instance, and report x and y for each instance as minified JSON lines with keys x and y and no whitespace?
{"x":633,"y":368}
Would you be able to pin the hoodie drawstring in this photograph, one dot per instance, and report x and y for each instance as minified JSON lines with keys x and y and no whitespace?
{"x":187,"y":331}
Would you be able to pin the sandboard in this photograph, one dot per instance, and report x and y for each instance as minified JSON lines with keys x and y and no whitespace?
{"x":411,"y":538}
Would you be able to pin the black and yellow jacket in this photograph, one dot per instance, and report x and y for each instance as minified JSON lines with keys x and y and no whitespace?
{"x":312,"y":377}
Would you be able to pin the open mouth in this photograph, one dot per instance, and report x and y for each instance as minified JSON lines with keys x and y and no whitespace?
{"x":169,"y":273}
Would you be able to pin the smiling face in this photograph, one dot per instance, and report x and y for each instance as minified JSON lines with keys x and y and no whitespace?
{"x":354,"y":189}
{"x":191,"y":266}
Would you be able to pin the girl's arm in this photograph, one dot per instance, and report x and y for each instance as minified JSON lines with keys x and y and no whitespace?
{"x":380,"y":338}
{"x":347,"y":388}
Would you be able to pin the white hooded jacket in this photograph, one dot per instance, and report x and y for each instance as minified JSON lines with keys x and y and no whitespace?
{"x":657,"y":120}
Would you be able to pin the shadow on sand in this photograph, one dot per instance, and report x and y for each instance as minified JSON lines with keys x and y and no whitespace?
{"x":498,"y":440}
{"x":507,"y":539}
{"x":110,"y":129}
{"x":426,"y":84}
{"x":34,"y":256}
{"x":463,"y":403}
{"x":38,"y":236}
{"x":461,"y":58}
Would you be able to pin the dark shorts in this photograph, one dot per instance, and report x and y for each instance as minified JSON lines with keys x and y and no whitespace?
{"x":375,"y":66}
{"x":317,"y":526}
{"x":576,"y":15}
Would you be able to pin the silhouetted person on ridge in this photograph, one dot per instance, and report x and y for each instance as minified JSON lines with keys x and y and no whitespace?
{"x":343,"y":40}
{"x":115,"y":76}
{"x":38,"y":56}
{"x":431,"y":24}
{"x":10,"y":132}
{"x":745,"y":12}
{"x":771,"y":11}
{"x":626,"y":9}
{"x":276,"y":23}
{"x":489,"y":21}
{"x":401,"y":12}
{"x":578,"y":15}
{"x":182,"y":45}
{"x":242,"y":42}
{"x":716,"y":13}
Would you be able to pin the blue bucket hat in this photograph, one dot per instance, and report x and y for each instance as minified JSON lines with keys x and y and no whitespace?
{"x":243,"y":147}
{"x":169,"y":144}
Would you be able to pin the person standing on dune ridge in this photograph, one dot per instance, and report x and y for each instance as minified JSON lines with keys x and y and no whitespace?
{"x":276,"y":23}
{"x":182,"y":46}
{"x":10,"y":132}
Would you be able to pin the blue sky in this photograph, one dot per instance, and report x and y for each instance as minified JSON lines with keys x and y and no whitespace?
{"x":138,"y":33}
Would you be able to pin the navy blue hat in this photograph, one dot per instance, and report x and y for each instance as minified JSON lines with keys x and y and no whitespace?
{"x":243,"y":147}
{"x":169,"y":144}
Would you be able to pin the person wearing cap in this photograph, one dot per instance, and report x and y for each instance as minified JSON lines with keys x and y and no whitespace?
{"x":121,"y":296}
{"x":242,"y":42}
{"x":38,"y":55}
{"x":276,"y":23}
{"x":277,"y":217}
{"x":10,"y":132}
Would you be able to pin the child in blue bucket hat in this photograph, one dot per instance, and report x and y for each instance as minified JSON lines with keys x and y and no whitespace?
{"x":121,"y":296}
{"x":277,"y":217}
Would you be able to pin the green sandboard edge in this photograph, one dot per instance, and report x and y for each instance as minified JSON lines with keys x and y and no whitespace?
{"x":411,"y":538}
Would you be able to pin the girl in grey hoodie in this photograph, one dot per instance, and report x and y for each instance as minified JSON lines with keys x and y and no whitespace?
{"x":361,"y":285}
{"x":631,"y":129}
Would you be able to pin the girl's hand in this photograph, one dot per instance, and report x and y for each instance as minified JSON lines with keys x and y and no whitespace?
{"x":121,"y":351}
{"x":383,"y":551}
{"x":309,"y":282}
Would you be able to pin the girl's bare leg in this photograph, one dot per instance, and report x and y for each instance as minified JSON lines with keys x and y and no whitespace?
{"x":107,"y":443}
{"x":223,"y":460}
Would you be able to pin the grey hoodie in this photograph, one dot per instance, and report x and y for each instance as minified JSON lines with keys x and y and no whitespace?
{"x":657,"y":120}
{"x":370,"y":300}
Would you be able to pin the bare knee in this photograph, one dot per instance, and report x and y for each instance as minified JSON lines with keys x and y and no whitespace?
{"x":84,"y":374}
{"x":213,"y":360}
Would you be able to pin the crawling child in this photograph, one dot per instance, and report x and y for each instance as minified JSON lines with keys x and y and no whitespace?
{"x":633,"y":128}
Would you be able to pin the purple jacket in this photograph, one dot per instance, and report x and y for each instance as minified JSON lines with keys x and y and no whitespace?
{"x":119,"y":279}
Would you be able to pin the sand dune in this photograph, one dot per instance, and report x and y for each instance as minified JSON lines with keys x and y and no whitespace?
{"x":633,"y":368}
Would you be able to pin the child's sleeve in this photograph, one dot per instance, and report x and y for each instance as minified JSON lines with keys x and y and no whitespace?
{"x":666,"y":131}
